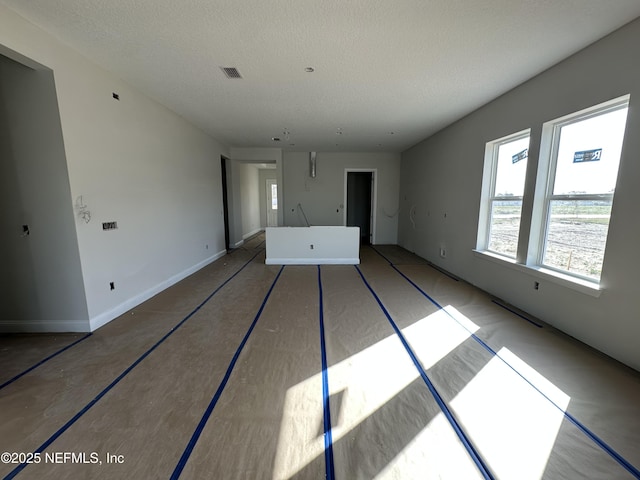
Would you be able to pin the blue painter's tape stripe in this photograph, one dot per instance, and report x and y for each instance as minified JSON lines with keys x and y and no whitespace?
{"x":381,"y":254}
{"x":8,"y":382}
{"x":444,"y":272}
{"x":438,"y":305}
{"x":601,"y":443}
{"x":416,"y":286}
{"x":77,"y":416}
{"x":328,"y":438}
{"x":597,"y":440}
{"x":207,"y":413}
{"x":517,"y":314}
{"x":441,"y":270}
{"x":441,"y":403}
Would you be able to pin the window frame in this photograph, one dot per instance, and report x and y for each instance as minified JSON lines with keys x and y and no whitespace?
{"x":547,"y":169}
{"x":488,"y":195}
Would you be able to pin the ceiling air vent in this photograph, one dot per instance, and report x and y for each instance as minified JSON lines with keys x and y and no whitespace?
{"x":231,"y":72}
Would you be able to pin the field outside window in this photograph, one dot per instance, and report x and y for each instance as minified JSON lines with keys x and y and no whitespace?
{"x":583,"y":176}
{"x":509,"y":159}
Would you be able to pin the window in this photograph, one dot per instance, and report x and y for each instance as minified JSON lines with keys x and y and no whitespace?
{"x":581,"y":180}
{"x":503,"y":189}
{"x":274,"y":196}
{"x":564,"y":236}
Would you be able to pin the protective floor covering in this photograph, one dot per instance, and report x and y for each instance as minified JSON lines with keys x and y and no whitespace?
{"x":391,"y":370}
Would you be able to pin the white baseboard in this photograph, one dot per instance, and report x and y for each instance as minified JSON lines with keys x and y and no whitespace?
{"x":312,"y":261}
{"x":105,"y":317}
{"x":43,"y":326}
{"x":237,"y":244}
{"x":251,"y":234}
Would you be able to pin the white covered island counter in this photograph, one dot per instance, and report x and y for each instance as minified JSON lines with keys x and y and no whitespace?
{"x":315,"y":245}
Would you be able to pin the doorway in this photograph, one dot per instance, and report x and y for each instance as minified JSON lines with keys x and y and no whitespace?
{"x":272,"y":202}
{"x":225,"y":201}
{"x":360,"y":203}
{"x":42,"y":284}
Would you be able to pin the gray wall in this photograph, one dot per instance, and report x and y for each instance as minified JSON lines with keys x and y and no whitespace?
{"x":42,"y":288}
{"x":322,"y":197}
{"x":443,"y":175}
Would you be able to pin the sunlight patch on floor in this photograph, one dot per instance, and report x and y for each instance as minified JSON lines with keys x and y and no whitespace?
{"x":436,"y":452}
{"x":301,"y":438}
{"x":365,"y":382}
{"x":437,"y":335}
{"x":511,"y":424}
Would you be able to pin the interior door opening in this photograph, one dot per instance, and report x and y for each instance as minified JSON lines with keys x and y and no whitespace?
{"x":225,"y":201}
{"x":359,"y":204}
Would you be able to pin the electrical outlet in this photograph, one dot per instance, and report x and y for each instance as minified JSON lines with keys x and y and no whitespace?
{"x":112,"y":285}
{"x":311,"y":246}
{"x":443,"y":252}
{"x":536,"y":285}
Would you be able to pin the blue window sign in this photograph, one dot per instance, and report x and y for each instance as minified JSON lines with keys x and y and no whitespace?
{"x":587,"y":156}
{"x":520,"y":156}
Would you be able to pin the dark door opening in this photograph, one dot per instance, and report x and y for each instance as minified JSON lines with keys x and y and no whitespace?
{"x":359,"y":188}
{"x":225,"y":202}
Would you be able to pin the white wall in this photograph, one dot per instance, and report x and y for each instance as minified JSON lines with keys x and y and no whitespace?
{"x":134,"y":162}
{"x":42,"y":277}
{"x":250,"y":199}
{"x":315,"y":245}
{"x":322,"y":197}
{"x":443,"y":175}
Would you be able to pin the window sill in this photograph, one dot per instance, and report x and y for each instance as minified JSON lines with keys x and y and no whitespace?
{"x":583,"y":286}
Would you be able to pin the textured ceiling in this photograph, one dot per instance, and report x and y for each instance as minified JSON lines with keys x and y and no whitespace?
{"x":409,"y":67}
